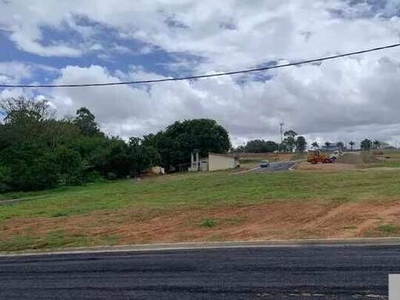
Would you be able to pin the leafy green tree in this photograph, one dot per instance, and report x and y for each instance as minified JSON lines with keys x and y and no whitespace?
{"x":260,"y":146}
{"x":301,"y":144}
{"x":22,"y":110}
{"x":85,"y":121}
{"x":315,"y":145}
{"x":70,"y":165}
{"x":366,"y":144}
{"x":113,"y":160}
{"x":283,"y":147}
{"x":24,"y":155}
{"x":142,"y":157}
{"x":177,"y":142}
{"x":5,"y":179}
{"x":240,"y":149}
{"x":271,"y":146}
{"x":328,"y":144}
{"x":290,"y":139}
{"x":39,"y":152}
{"x":31,"y":167}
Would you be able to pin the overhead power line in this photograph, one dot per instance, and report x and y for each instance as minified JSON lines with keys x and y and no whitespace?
{"x":199,"y":76}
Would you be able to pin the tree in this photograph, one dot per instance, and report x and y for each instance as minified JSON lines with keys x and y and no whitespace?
{"x":290,"y":139}
{"x":351,"y":143}
{"x":18,"y":110}
{"x":113,"y":160}
{"x":85,"y":120}
{"x":328,"y":144}
{"x":142,"y":157}
{"x":261,"y":146}
{"x":239,"y":149}
{"x":271,"y":146}
{"x":177,"y":142}
{"x":301,"y":144}
{"x":377,"y":144}
{"x":340,"y":145}
{"x":366,"y":144}
{"x":283,"y":147}
{"x":39,"y":152}
{"x":315,"y":145}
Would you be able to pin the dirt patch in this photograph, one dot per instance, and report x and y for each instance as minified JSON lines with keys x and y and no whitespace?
{"x":358,"y":159}
{"x":353,"y":159}
{"x":325,"y":167}
{"x":254,"y":222}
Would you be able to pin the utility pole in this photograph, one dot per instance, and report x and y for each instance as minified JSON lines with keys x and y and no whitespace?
{"x":281,"y":131}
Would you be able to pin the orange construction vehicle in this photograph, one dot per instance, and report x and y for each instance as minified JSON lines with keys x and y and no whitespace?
{"x":315,"y":157}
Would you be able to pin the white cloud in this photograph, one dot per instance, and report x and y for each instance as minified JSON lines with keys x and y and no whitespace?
{"x":349,"y":98}
{"x":14,"y":71}
{"x":28,"y":44}
{"x":228,"y":34}
{"x":114,"y":107}
{"x":343,"y":100}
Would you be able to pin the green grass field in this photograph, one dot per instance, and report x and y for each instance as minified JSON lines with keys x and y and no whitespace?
{"x":209,"y":189}
{"x":185,"y":191}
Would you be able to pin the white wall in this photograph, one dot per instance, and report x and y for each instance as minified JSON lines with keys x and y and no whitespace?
{"x":218,"y":162}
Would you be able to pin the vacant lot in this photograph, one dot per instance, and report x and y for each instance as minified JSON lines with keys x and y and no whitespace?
{"x":207,"y":207}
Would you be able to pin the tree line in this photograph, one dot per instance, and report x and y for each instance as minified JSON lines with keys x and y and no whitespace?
{"x":293,"y":142}
{"x":290,"y":143}
{"x":365,"y":144}
{"x":39,"y":151}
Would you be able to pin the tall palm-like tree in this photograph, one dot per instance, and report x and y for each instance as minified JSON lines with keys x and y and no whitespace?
{"x":352,"y":145}
{"x":315,"y":145}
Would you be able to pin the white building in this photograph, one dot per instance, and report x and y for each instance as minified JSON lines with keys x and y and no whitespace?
{"x":213,"y":162}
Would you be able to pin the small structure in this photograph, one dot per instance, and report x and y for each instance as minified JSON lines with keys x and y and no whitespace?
{"x":213,"y":162}
{"x":158,"y":170}
{"x":333,"y":147}
{"x":194,"y":161}
{"x":221,"y":162}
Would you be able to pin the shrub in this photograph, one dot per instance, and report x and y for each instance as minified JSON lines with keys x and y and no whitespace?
{"x":208,"y":223}
{"x":111,"y":176}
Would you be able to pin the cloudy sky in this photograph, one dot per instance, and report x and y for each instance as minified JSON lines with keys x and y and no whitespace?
{"x":80,"y":41}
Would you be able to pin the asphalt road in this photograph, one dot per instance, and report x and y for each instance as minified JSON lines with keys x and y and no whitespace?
{"x":307,"y":272}
{"x":275,"y":167}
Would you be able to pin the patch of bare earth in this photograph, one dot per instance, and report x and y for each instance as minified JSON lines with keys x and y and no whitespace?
{"x":306,"y":166}
{"x":254,"y":222}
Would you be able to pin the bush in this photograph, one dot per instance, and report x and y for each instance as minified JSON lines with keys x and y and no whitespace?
{"x":208,"y":223}
{"x":111,"y":176}
{"x":92,"y":176}
{"x":5,"y":179}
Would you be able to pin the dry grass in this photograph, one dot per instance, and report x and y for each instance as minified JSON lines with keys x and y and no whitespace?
{"x":207,"y":207}
{"x":306,"y":166}
{"x":251,"y":222}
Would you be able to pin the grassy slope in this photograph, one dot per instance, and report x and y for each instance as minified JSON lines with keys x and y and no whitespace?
{"x":198,"y":190}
